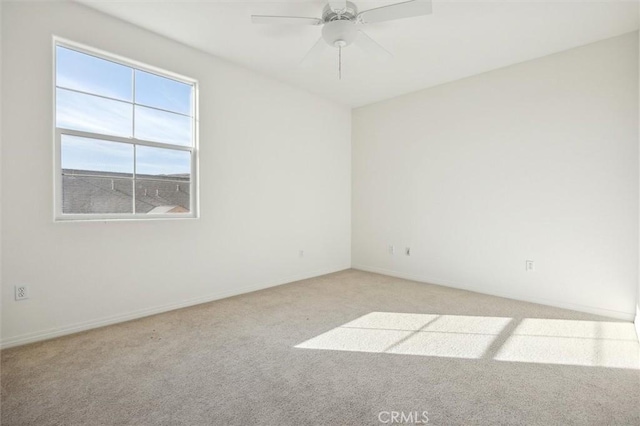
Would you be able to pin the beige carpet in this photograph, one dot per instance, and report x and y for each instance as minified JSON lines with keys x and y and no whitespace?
{"x":344,"y":349}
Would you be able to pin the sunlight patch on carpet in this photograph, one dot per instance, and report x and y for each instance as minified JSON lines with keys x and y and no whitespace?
{"x":586,"y":343}
{"x":412,"y":334}
{"x":533,"y":340}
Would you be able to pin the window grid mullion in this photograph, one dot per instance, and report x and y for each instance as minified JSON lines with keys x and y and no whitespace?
{"x":133,"y":135}
{"x":109,"y":98}
{"x":133,"y":103}
{"x":135,"y":161}
{"x":113,"y":138}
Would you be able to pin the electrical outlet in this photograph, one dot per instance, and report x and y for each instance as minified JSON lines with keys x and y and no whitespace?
{"x":407,"y":251}
{"x":529,"y":265}
{"x":301,"y":253}
{"x":392,"y":250}
{"x":21,"y":292}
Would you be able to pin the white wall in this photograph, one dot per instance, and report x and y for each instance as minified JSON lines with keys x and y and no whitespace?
{"x":637,"y":318}
{"x":274,"y":179}
{"x":535,"y":161}
{"x":1,"y":166}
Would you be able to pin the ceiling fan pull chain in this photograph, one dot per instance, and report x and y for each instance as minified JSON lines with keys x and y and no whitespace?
{"x":339,"y":62}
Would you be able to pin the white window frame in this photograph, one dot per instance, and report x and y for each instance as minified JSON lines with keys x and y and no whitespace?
{"x":59,"y":216}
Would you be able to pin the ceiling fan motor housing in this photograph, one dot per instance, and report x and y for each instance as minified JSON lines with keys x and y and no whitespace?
{"x":339,"y":33}
{"x":349,"y":12}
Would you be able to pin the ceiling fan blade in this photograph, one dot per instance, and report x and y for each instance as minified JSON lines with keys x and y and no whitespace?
{"x":338,"y":5}
{"x":315,"y":52}
{"x":287,"y":20}
{"x":407,"y":9}
{"x":371,"y":47}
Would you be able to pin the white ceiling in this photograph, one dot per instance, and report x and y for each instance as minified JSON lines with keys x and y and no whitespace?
{"x":459,"y":39}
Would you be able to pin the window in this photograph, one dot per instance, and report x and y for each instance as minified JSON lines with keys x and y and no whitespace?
{"x":125,"y":139}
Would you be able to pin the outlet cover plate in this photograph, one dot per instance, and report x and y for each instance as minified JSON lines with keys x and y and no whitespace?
{"x":22,"y":292}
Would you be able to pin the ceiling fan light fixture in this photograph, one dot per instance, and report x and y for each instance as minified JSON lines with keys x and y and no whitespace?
{"x":339,"y":33}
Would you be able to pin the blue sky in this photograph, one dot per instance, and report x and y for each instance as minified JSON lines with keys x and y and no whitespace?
{"x":79,"y":111}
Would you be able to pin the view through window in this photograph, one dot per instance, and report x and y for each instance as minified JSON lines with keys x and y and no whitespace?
{"x":125,"y":139}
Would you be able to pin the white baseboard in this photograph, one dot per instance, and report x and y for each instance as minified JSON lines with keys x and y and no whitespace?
{"x":627,"y":316}
{"x":88,"y":325}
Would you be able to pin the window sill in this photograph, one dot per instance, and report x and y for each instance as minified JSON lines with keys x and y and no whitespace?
{"x":122,"y":218}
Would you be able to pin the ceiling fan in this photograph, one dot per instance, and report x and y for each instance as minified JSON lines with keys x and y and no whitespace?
{"x":340,"y":21}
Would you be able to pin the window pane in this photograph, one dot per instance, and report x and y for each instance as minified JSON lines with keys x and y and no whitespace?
{"x":87,"y":73}
{"x":91,"y":195}
{"x":160,"y":92}
{"x":162,"y":163}
{"x":93,"y":156}
{"x":93,"y":114}
{"x":162,"y":196}
{"x":160,"y":126}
